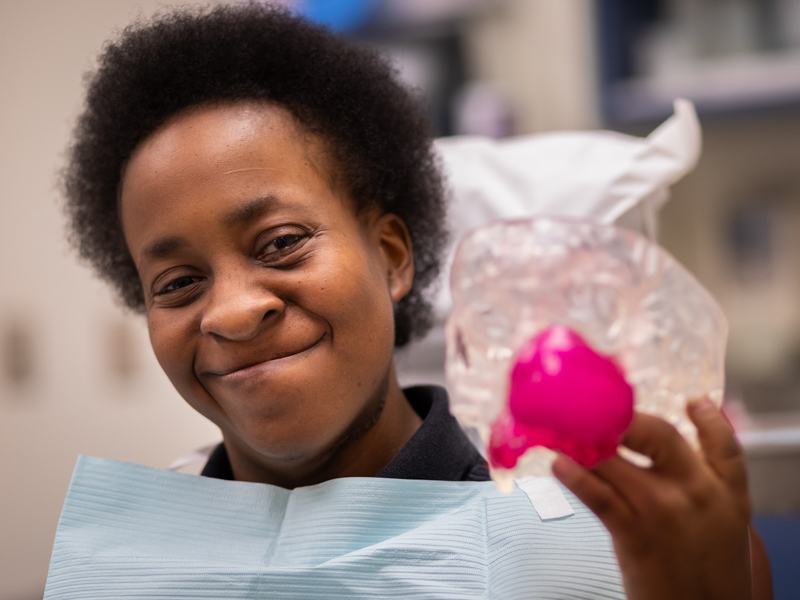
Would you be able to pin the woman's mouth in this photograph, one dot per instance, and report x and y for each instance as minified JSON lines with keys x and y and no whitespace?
{"x":253,"y":368}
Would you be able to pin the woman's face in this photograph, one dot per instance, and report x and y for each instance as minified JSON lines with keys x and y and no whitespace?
{"x":269,"y":303}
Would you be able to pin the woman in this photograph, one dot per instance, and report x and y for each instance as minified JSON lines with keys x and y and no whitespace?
{"x":266,"y":195}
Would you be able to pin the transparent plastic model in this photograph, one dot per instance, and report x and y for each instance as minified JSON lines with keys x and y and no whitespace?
{"x":516,"y":284}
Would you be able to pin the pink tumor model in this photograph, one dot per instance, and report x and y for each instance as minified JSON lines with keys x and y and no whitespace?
{"x":564,"y":396}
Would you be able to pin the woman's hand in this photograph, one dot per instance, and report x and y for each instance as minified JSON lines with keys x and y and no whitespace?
{"x":681,"y":527}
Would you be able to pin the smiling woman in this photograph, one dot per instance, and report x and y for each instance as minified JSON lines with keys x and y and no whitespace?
{"x":267,"y":196}
{"x":269,"y":301}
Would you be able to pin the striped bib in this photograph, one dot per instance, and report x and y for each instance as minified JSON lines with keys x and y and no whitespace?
{"x":128,"y":531}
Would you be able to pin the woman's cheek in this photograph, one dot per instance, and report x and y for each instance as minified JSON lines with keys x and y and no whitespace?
{"x":173,"y":350}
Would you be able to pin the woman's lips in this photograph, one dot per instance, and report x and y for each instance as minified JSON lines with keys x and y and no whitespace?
{"x":251,"y":369}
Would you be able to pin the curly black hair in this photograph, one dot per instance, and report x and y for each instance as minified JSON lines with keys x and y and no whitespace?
{"x":374,"y":127}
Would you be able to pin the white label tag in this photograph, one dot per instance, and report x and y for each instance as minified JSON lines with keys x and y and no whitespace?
{"x":546,"y":497}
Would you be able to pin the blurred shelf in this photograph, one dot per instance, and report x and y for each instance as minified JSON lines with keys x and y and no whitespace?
{"x":772,"y":453}
{"x":771,"y":441}
{"x":722,"y":85}
{"x":730,"y":58}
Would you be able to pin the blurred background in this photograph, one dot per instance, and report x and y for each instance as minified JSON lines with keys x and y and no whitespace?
{"x":76,"y":372}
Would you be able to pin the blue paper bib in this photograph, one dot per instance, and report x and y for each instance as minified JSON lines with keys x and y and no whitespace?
{"x":128,"y":531}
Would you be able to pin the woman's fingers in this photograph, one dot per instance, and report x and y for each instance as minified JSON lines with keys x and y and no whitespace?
{"x":599,"y":496}
{"x":619,"y":493}
{"x":660,"y":441}
{"x":721,"y":449}
{"x":614,"y":488}
{"x":633,"y":483}
{"x":679,"y":527}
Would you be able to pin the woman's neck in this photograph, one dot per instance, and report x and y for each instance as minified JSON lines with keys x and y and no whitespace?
{"x":371,"y":442}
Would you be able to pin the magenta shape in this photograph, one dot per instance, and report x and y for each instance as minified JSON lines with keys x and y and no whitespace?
{"x":565,"y":396}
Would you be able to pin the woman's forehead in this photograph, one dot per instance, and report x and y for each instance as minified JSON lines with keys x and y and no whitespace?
{"x":225,"y":138}
{"x":225,"y":124}
{"x":220,"y":158}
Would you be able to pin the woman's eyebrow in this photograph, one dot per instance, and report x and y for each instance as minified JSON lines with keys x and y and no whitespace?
{"x":162,"y":247}
{"x":252,"y":210}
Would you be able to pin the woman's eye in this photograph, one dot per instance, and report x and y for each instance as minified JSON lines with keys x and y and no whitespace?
{"x":177,"y":284}
{"x":282,"y":242}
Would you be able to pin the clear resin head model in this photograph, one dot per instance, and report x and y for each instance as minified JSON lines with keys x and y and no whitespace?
{"x":558,"y":325}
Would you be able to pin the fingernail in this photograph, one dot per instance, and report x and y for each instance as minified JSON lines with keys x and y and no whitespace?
{"x":703,"y":405}
{"x":564,"y":468}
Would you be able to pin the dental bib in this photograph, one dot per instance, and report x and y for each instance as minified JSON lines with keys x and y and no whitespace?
{"x":137,"y":532}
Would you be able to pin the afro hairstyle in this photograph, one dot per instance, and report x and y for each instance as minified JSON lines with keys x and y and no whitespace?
{"x":374,"y":127}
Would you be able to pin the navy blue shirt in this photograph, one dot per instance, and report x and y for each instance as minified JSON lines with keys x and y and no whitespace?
{"x":437,"y":451}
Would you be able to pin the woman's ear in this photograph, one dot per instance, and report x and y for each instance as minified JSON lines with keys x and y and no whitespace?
{"x":398,"y":256}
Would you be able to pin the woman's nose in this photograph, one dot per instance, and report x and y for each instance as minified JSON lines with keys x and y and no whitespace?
{"x":239,"y":311}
